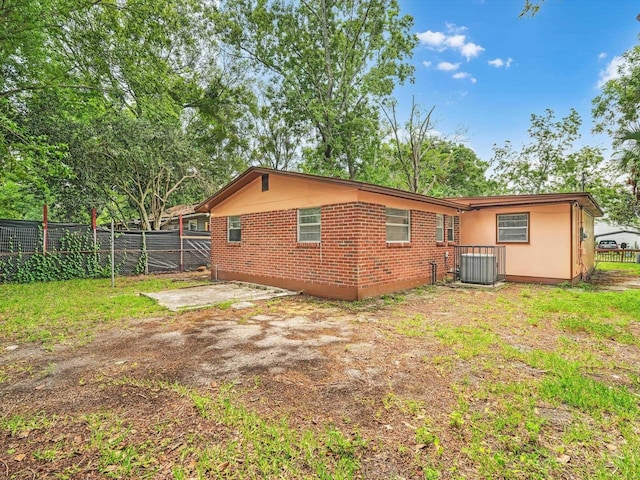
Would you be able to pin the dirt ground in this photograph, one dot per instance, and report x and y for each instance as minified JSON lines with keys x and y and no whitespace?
{"x":315,"y":362}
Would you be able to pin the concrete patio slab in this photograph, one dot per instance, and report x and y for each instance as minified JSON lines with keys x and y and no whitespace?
{"x":220,"y":292}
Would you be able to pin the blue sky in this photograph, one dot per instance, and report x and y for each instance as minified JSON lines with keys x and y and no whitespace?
{"x":487,"y":71}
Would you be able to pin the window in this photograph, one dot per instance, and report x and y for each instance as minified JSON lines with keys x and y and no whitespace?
{"x":309,"y":224}
{"x":235,"y":229}
{"x":398,"y":225}
{"x":192,"y":225}
{"x":451,"y":222}
{"x":439,"y":227}
{"x":513,"y":228}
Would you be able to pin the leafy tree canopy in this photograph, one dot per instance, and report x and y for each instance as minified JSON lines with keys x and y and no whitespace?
{"x":327,"y":62}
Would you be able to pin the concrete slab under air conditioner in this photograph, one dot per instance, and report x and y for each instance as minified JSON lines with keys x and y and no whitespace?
{"x":477,"y":286}
{"x":214,"y":294}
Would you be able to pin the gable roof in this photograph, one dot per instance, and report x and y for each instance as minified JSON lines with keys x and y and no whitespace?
{"x":460,"y":203}
{"x":253,"y":173}
{"x":584,"y":199}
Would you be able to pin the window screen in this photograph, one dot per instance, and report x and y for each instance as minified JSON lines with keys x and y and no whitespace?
{"x":309,"y":224}
{"x":235,"y":229}
{"x":398,"y":225}
{"x":513,"y":227}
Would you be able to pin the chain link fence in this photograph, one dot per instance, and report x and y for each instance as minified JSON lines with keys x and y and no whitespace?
{"x":135,"y":252}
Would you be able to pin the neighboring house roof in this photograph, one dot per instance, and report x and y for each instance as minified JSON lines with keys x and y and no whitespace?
{"x":178,"y":210}
{"x":617,"y":232}
{"x":187,"y":211}
{"x":255,"y":172}
{"x":584,"y":199}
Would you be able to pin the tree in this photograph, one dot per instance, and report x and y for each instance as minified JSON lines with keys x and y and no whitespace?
{"x":616,"y":113}
{"x":629,"y":157}
{"x":25,"y":159}
{"x":550,"y":163}
{"x":466,"y":174}
{"x":422,"y":161}
{"x":146,"y":160}
{"x":277,"y":142}
{"x":93,"y":68}
{"x":543,"y":165}
{"x":329,"y":60}
{"x":530,"y":8}
{"x":413,"y":142}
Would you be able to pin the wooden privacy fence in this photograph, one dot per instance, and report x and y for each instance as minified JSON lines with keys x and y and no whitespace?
{"x":618,"y":255}
{"x":134,"y":252}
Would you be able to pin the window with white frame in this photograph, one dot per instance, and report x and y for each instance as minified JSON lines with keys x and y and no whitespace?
{"x":398,"y":225}
{"x":309,"y":224}
{"x":192,"y":226}
{"x":234,"y":229}
{"x":439,"y":227}
{"x":451,"y":225}
{"x":513,"y":228}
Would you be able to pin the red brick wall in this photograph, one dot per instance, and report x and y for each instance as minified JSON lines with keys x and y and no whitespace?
{"x":383,"y":263}
{"x":353,"y":259}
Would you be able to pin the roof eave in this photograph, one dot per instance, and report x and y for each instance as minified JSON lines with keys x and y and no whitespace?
{"x":253,"y":172}
{"x":585,"y":199}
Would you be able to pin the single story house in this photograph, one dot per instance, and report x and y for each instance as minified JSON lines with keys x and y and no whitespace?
{"x":549,"y":238}
{"x":192,"y":221}
{"x":349,"y":240}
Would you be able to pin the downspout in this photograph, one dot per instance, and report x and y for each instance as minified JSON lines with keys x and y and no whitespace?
{"x":583,"y":268}
{"x":571,"y":242}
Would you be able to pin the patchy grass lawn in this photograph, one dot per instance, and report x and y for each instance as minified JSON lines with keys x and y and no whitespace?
{"x":525,"y":382}
{"x":72,"y":310}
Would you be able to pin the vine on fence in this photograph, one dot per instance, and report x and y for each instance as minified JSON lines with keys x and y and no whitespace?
{"x":142,"y":266}
{"x":77,"y":257}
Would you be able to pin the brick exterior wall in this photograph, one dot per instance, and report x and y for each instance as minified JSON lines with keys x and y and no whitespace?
{"x":352,"y":261}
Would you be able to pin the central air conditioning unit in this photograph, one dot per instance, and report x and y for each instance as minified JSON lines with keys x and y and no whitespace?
{"x":479,"y":268}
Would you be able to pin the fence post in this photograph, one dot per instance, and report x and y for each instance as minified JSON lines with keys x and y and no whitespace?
{"x":44,"y":228}
{"x":94,"y":228}
{"x":145,"y":254}
{"x":181,"y":247}
{"x":113,"y":257}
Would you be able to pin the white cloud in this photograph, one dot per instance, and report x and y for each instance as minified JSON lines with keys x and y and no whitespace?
{"x":460,"y":75}
{"x":471,"y":50}
{"x":454,"y":39}
{"x":453,"y":28}
{"x":602,"y":55}
{"x":426,"y":64}
{"x":613,"y":70}
{"x":448,"y":66}
{"x":463,"y":75}
{"x":499,"y":63}
{"x":431,"y":39}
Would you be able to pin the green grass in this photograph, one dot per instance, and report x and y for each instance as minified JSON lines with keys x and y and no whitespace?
{"x":254,"y":447}
{"x":21,"y":425}
{"x":72,"y":310}
{"x":602,"y":314}
{"x":228,"y":441}
{"x":498,"y":414}
{"x":633,"y":268}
